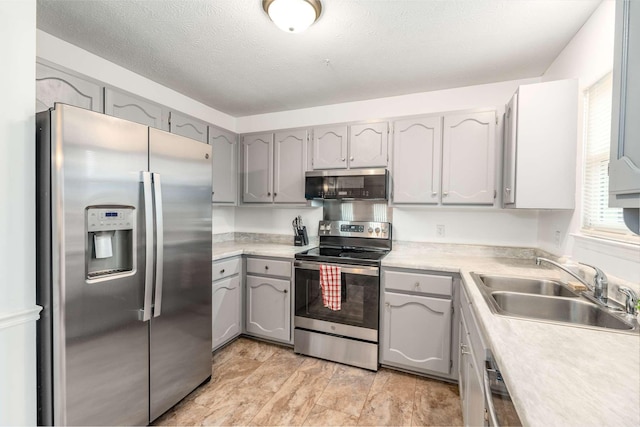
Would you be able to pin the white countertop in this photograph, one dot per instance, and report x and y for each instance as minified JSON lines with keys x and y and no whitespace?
{"x":557,"y":375}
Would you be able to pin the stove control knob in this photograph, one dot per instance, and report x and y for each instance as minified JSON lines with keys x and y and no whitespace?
{"x":384,"y":230}
{"x":377,"y":230}
{"x":370,"y":230}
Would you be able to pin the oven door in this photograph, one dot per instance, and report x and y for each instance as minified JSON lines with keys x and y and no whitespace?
{"x":358,"y":316}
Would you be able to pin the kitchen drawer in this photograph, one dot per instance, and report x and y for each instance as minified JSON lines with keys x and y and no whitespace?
{"x":268,"y":267}
{"x":419,"y":283}
{"x":225,"y":268}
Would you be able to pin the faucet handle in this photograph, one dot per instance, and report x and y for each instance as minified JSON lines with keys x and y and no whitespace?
{"x":600,"y":278}
{"x":631,"y":301}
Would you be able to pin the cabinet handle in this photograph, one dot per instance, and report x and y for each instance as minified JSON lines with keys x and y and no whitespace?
{"x":285,"y":291}
{"x":351,"y":158}
{"x":275,"y":194}
{"x":386,"y":304}
{"x":222,"y":271}
{"x":445,"y":194}
{"x":507,"y":189}
{"x":213,"y":192}
{"x":343,"y":159}
{"x":417,"y":285}
{"x":464,"y":349}
{"x":434,"y":194}
{"x":269,"y":193}
{"x":266,"y":267}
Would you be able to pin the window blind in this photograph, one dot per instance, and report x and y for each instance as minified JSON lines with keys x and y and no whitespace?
{"x":597,"y":216}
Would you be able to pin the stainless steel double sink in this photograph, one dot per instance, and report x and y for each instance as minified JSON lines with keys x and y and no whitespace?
{"x":549,"y":301}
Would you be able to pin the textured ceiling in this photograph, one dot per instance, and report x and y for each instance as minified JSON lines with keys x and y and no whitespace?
{"x":228,"y":55}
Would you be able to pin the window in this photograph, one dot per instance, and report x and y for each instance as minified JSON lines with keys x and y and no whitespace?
{"x":598,"y":218}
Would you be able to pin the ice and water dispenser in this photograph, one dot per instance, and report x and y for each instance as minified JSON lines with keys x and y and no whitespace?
{"x":110,"y":241}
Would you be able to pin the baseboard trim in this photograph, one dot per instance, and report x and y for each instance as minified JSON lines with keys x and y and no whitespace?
{"x":8,"y":320}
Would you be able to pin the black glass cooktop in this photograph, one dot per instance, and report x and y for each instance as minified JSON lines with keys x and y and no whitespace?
{"x":345,"y":255}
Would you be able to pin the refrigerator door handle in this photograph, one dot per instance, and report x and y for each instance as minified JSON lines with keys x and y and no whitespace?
{"x":148,"y":232}
{"x":157,"y":188}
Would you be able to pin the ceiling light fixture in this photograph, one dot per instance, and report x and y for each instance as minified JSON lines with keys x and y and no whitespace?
{"x":293,"y":16}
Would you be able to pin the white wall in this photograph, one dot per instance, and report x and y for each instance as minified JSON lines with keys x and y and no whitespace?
{"x":223,"y":219}
{"x":475,"y":225}
{"x":588,"y":57}
{"x":79,"y":60}
{"x":276,"y":220}
{"x":471,"y":97}
{"x":18,"y":312}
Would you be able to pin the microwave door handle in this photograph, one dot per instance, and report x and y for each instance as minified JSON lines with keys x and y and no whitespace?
{"x":148,"y":232}
{"x":493,"y":418}
{"x":157,"y":187}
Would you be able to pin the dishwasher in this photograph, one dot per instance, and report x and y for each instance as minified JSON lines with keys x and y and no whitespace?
{"x":500,"y":410}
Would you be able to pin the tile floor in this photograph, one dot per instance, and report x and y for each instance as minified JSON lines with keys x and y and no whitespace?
{"x":255,"y":383}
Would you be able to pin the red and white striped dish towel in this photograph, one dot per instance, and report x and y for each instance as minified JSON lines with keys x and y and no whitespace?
{"x":331,"y":286}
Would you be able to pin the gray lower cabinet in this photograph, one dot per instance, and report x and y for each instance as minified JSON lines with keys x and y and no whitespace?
{"x":471,"y":363}
{"x":227,"y":310}
{"x":227,"y":300}
{"x":417,"y":332}
{"x":187,"y":126}
{"x":624,"y":166}
{"x":416,"y":322}
{"x":225,"y":166}
{"x":268,"y":299}
{"x":136,"y":109}
{"x":57,"y":86}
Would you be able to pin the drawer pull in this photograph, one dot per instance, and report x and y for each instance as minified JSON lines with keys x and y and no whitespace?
{"x":266,"y":267}
{"x":222,"y":271}
{"x":464,"y":349}
{"x":417,"y":285}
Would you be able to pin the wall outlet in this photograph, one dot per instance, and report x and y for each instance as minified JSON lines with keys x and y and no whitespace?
{"x":556,"y":238}
{"x":440,"y":230}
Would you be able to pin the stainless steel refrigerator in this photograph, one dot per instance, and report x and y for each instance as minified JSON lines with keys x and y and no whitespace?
{"x":123,"y":268}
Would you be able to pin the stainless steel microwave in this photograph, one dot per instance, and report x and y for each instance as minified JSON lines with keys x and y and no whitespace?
{"x":352,"y":184}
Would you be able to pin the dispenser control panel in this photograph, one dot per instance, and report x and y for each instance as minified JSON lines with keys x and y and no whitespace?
{"x":107,"y":219}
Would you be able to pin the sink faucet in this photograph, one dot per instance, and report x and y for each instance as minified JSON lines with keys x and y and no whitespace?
{"x":600,"y":281}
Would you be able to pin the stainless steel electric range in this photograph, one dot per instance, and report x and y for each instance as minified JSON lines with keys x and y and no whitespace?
{"x":348,"y":335}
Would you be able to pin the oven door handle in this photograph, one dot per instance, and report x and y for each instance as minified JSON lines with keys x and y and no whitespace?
{"x":344,"y":268}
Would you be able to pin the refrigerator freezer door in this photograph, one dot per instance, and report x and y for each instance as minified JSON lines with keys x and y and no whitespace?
{"x":180,"y":337}
{"x":100,"y":348}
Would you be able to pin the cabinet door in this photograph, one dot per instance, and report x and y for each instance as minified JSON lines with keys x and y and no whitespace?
{"x":227,"y":310}
{"x":56,"y":86}
{"x":330,"y":147}
{"x":289,"y":168}
{"x":130,"y":107}
{"x":417,"y":151}
{"x":183,"y":125}
{"x":225,"y":165}
{"x":624,"y":166}
{"x":257,"y":161}
{"x":417,"y":332}
{"x":269,"y":308}
{"x":368,"y":145}
{"x":473,"y":413}
{"x":468,"y":159}
{"x":510,"y":146}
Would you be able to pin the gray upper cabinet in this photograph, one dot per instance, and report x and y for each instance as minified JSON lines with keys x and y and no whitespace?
{"x":189,"y":127}
{"x":469,"y":159}
{"x":417,"y":148}
{"x":56,"y":86}
{"x":289,"y":167}
{"x":139,"y":110}
{"x":257,"y":164}
{"x":368,"y":145}
{"x":624,"y":166}
{"x":330,"y":147}
{"x":225,"y":165}
{"x":540,"y":146}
